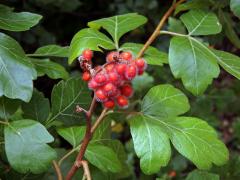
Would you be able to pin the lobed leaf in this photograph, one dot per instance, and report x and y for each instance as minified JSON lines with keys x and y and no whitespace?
{"x":117,"y":26}
{"x":193,"y":62}
{"x":88,"y":39}
{"x":152,"y":55}
{"x":8,"y":107}
{"x":235,"y":7}
{"x":51,"y":50}
{"x":16,"y":71}
{"x":199,"y":22}
{"x":26,"y":146}
{"x":12,"y":21}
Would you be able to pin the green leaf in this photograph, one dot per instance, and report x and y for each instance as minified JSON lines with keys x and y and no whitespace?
{"x":138,"y":84}
{"x":73,"y":135}
{"x":26,"y":148}
{"x":65,"y":96}
{"x":151,"y":144}
{"x":193,"y":62}
{"x":51,"y":69}
{"x":197,"y":141}
{"x":117,"y":26}
{"x":176,"y":25}
{"x":118,"y":148}
{"x":199,"y":22}
{"x":196,"y":4}
{"x":8,"y":107}
{"x":88,"y":39}
{"x":200,"y":175}
{"x":164,"y":101}
{"x":152,"y":55}
{"x":235,"y":7}
{"x":228,"y":28}
{"x":103,"y":158}
{"x":38,"y":108}
{"x":16,"y":71}
{"x":51,"y":50}
{"x":229,"y":62}
{"x":192,"y":137}
{"x":22,"y":21}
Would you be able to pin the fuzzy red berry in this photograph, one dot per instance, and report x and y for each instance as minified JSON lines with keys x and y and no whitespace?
{"x":112,"y":56}
{"x":110,"y":67}
{"x":109,"y":104}
{"x":131,"y":72}
{"x":127,"y":90}
{"x":141,"y":64}
{"x":126,"y":56}
{"x":109,"y":88}
{"x":92,"y":84}
{"x":87,"y":54}
{"x":120,"y":68}
{"x":113,"y":77}
{"x":86,"y":76}
{"x":122,"y":101}
{"x":100,"y":95}
{"x":100,"y":78}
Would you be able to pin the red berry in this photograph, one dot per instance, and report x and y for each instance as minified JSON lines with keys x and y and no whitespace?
{"x":109,"y":104}
{"x":122,"y":101}
{"x":109,"y":88}
{"x":113,"y":77}
{"x":112,"y":56}
{"x":140,"y":71}
{"x":120,"y":68}
{"x":126,"y":56}
{"x":87,"y":54}
{"x":100,"y":78}
{"x":127,"y":90}
{"x":109,"y":67}
{"x":92,"y":84}
{"x":131,"y":72}
{"x":86,"y":76}
{"x":141,"y":64}
{"x":100,"y":95}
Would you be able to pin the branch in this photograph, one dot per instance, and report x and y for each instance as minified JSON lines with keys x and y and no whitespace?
{"x":158,"y":28}
{"x":87,"y":173}
{"x":58,"y":170}
{"x":99,"y":120}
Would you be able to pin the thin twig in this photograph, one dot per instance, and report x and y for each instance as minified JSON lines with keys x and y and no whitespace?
{"x":58,"y":170}
{"x":4,"y":123}
{"x":158,"y":28}
{"x":68,"y":154}
{"x":87,"y":173}
{"x":99,"y":120}
{"x":86,"y":140}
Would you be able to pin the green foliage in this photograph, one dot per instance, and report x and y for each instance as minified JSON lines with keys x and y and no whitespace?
{"x":91,"y":39}
{"x":192,"y":137}
{"x":117,"y":26}
{"x":17,"y":21}
{"x":205,"y":38}
{"x":26,"y":148}
{"x":13,"y":62}
{"x":152,"y":55}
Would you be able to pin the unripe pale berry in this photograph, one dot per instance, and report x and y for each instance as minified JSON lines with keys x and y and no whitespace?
{"x":86,"y":76}
{"x":87,"y":54}
{"x":126,"y":56}
{"x":122,"y":101}
{"x":100,"y":78}
{"x":127,"y":90}
{"x":112,"y":56}
{"x":100,"y":95}
{"x":109,"y":88}
{"x":131,"y":72}
{"x":120,"y":68}
{"x":109,"y":104}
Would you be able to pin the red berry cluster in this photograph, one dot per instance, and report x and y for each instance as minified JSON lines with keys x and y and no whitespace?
{"x":111,"y":83}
